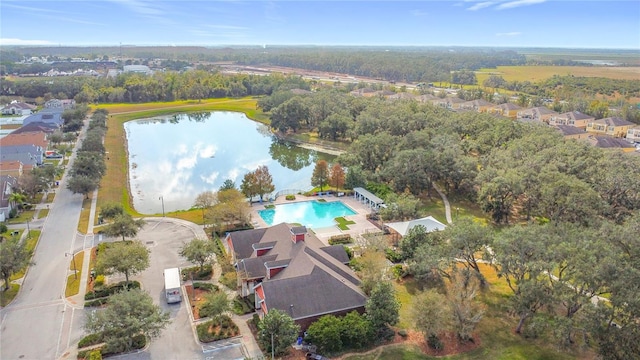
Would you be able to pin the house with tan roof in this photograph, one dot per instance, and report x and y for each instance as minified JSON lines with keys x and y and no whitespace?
{"x":13,"y":168}
{"x":572,"y":118}
{"x":36,"y":138}
{"x":612,"y":126}
{"x":364,"y":92}
{"x":538,"y":114}
{"x":290,"y":269}
{"x":478,"y":105}
{"x":451,"y":103}
{"x":509,"y":110}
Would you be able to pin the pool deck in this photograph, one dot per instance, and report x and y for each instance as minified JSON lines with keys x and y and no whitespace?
{"x":361,"y":226}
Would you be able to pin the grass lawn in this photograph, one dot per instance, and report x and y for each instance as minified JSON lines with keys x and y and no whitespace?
{"x":111,"y":188}
{"x":434,"y":207}
{"x":73,"y":281}
{"x":50,"y":197}
{"x":30,"y":245}
{"x":495,"y":330}
{"x":43,"y":213}
{"x":6,"y":297}
{"x":83,"y":222}
{"x":342,"y":223}
{"x":22,"y":217}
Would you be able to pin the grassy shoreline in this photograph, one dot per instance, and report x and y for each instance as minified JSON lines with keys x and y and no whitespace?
{"x":111,"y":185}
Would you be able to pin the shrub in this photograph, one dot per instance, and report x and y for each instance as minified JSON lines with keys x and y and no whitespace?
{"x":398,"y":271}
{"x":349,"y":252}
{"x":196,"y":274}
{"x":229,"y":280}
{"x":96,"y":302}
{"x":393,"y":255}
{"x":206,"y":286}
{"x":403,"y":333}
{"x":340,"y":239}
{"x":434,"y":342}
{"x":290,"y":197}
{"x":90,"y":340}
{"x":99,"y":281}
{"x":218,"y":332}
{"x":95,"y":355}
{"x":244,"y":305}
{"x":111,"y":289}
{"x":3,"y":228}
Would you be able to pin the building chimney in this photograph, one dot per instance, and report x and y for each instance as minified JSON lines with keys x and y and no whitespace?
{"x":298,"y":233}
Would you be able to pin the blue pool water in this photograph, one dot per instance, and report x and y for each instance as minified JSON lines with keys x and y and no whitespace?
{"x":311,"y":214}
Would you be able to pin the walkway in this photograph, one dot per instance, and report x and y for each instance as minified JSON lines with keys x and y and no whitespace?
{"x":447,"y":207}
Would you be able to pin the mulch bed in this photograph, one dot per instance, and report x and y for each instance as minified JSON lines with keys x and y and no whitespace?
{"x":199,"y":296}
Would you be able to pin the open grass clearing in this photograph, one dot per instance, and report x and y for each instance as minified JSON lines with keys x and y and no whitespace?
{"x":539,"y":73}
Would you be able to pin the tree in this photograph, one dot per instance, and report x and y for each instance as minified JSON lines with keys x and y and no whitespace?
{"x":111,"y":209}
{"x":520,"y":260}
{"x":124,"y":225}
{"x":127,"y":258}
{"x":32,"y":182}
{"x":277,"y":331}
{"x":198,"y":251}
{"x":355,"y":178}
{"x":249,"y":185}
{"x":128,"y":314}
{"x":16,"y":199}
{"x":326,"y":333}
{"x":204,"y":201}
{"x":382,"y":307}
{"x":466,"y":312}
{"x":82,"y":184}
{"x":264,"y":181}
{"x":430,"y":313}
{"x":336,"y":177}
{"x":227,"y":185}
{"x":320,"y":174}
{"x":466,"y":239}
{"x":14,"y":256}
{"x":215,"y":304}
{"x":231,"y":209}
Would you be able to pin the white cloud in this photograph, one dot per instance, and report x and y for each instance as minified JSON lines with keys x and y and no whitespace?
{"x":188,"y":162}
{"x":9,"y":41}
{"x":481,"y":5}
{"x":419,"y":13}
{"x":518,"y":3}
{"x":211,"y":179}
{"x":512,"y":33}
{"x":209,"y":151}
{"x":141,"y":7}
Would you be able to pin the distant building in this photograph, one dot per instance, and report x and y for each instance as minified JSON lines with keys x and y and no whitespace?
{"x":572,"y":118}
{"x":572,"y":132}
{"x":18,"y":108}
{"x":7,"y":185}
{"x":537,"y":114}
{"x":607,"y":142}
{"x":139,"y":69}
{"x":60,"y":104}
{"x":613,"y":126}
{"x":50,"y":116}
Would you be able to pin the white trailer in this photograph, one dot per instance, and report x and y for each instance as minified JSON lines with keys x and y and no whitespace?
{"x":172,"y":285}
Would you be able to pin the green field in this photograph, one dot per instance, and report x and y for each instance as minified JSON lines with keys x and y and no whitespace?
{"x":538,"y":73}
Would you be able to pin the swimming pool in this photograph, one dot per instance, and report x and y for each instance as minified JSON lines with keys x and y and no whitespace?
{"x":313,"y":214}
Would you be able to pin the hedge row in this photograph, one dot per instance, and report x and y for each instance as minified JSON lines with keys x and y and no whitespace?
{"x":111,"y":289}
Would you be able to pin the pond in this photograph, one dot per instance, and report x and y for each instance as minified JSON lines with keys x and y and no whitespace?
{"x":173,"y":159}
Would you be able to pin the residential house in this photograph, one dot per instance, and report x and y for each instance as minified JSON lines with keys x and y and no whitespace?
{"x":509,"y":110}
{"x":478,"y":105}
{"x":364,"y":92}
{"x":47,"y":128}
{"x":7,"y":185}
{"x":60,"y":104}
{"x":572,"y":118}
{"x":49,"y":116}
{"x":613,"y":126}
{"x":27,"y":138}
{"x":402,"y":96}
{"x":30,"y":155}
{"x":13,"y":168}
{"x":290,"y":269}
{"x":633,"y":134}
{"x":139,"y":69}
{"x":451,"y":103}
{"x":606,"y":142}
{"x":18,"y":108}
{"x":426,"y":98}
{"x":572,"y":132}
{"x":537,"y":114}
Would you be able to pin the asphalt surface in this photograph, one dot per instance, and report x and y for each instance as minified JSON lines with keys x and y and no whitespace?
{"x":39,"y":323}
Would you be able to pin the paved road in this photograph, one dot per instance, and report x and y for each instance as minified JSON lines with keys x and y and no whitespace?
{"x":40,"y":324}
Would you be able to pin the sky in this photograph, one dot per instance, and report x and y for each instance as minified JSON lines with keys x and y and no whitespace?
{"x":495,"y":23}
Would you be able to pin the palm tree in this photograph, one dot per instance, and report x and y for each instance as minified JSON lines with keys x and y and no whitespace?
{"x":16,"y":199}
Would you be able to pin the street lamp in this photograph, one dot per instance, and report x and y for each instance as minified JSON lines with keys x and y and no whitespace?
{"x":75,"y":270}
{"x":162,"y":198}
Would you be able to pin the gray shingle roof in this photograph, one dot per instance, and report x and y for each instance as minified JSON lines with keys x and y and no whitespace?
{"x":243,"y":240}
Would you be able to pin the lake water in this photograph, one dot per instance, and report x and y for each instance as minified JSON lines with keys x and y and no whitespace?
{"x":178,"y":157}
